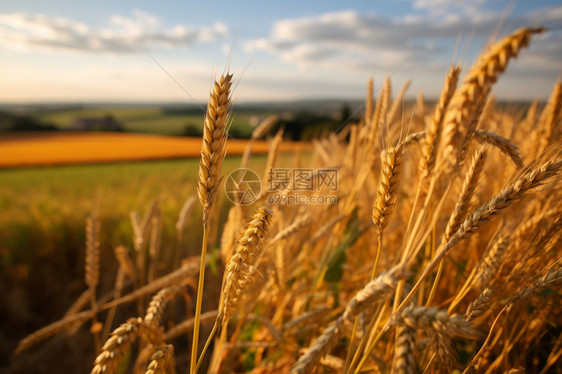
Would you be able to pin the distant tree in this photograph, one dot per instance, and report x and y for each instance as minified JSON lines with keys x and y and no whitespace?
{"x":305,"y":126}
{"x":24,"y":123}
{"x":237,"y":133}
{"x":345,"y":113}
{"x":191,"y":129}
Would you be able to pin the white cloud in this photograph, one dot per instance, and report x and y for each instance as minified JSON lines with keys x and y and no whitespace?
{"x":349,"y":40}
{"x":124,"y":34}
{"x":441,"y":8}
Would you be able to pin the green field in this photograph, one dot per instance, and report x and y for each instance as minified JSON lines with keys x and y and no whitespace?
{"x":43,"y":210}
{"x":152,"y":120}
{"x":43,"y":213}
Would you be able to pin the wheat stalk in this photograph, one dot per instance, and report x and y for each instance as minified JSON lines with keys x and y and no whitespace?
{"x":553,"y":112}
{"x":414,"y":138}
{"x":517,"y":370}
{"x":420,"y":105}
{"x":52,"y":329}
{"x":179,"y":276}
{"x":239,"y":272}
{"x":187,"y":325}
{"x":305,"y":317}
{"x":550,"y":279}
{"x":229,"y":232}
{"x":264,"y":127}
{"x":302,"y":221}
{"x":213,"y":151}
{"x":376,"y":290}
{"x":272,"y":154}
{"x":183,"y":215}
{"x":92,"y":270}
{"x":125,"y":262}
{"x":504,"y":145}
{"x":491,"y":64}
{"x":461,"y":208}
{"x":387,"y":192}
{"x":379,"y":115}
{"x":398,"y":100}
{"x":475,"y":119}
{"x":369,"y":101}
{"x":471,"y":180}
{"x":260,"y":130}
{"x":433,"y":131}
{"x":530,"y":178}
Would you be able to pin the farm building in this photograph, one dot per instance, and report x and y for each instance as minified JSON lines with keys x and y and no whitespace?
{"x":107,"y":123}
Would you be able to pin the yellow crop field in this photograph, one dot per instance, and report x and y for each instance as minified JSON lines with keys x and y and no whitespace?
{"x":41,"y":149}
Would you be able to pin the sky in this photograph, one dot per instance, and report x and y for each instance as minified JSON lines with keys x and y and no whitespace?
{"x":168,"y":51}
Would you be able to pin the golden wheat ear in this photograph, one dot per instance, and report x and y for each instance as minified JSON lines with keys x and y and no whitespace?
{"x":162,"y":361}
{"x":237,"y":272}
{"x":388,"y":185}
{"x":120,"y":341}
{"x":470,"y":183}
{"x":433,"y":131}
{"x":424,"y":318}
{"x":213,"y":149}
{"x":387,"y":192}
{"x":479,"y":81}
{"x":404,"y":360}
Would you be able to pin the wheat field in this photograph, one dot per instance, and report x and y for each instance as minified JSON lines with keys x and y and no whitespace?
{"x":440,"y":250}
{"x":67,"y":148}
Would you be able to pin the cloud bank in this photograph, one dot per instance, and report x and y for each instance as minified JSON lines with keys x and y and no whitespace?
{"x":124,"y":34}
{"x":349,"y":40}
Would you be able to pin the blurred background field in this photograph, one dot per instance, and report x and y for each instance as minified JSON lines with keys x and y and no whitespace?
{"x":172,"y":119}
{"x":151,"y":120}
{"x":42,"y":231}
